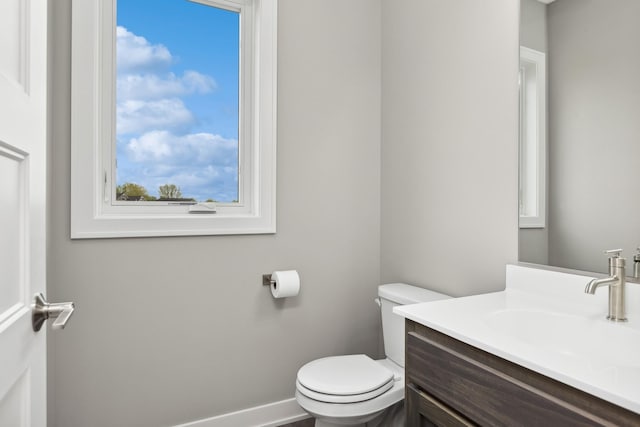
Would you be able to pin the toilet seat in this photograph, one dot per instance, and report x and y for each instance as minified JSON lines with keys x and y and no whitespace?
{"x":347,"y":398}
{"x":344,"y":379}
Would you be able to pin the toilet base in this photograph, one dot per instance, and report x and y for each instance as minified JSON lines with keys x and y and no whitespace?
{"x":322,"y":423}
{"x":393,"y":416}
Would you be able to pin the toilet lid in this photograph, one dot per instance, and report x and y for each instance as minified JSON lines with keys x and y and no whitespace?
{"x":344,"y":375}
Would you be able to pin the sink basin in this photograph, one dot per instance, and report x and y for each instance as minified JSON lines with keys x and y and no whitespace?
{"x":596,"y":342}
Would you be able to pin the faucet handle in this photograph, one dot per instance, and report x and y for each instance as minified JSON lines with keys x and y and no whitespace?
{"x":615,"y":253}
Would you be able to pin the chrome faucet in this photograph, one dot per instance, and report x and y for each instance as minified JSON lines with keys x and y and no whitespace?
{"x":636,"y":264}
{"x":616,"y":283}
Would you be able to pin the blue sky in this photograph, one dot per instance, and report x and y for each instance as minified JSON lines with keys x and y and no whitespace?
{"x":177,"y":97}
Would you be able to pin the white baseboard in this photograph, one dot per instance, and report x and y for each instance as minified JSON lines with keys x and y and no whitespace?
{"x":270,"y":415}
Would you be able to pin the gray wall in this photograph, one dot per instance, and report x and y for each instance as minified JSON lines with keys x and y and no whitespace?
{"x":170,"y":330}
{"x":533,"y":25}
{"x":594,"y":64}
{"x":533,"y":243}
{"x":449,"y":152}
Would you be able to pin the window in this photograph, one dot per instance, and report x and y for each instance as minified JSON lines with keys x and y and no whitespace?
{"x":533,"y":133}
{"x":177,"y":121}
{"x":173,"y":117}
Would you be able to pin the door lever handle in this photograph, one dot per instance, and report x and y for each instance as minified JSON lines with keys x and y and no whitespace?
{"x":42,"y":310}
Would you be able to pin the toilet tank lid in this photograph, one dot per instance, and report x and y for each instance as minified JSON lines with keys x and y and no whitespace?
{"x":402,"y":293}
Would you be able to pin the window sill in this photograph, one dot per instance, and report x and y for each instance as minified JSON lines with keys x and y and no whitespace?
{"x":119,"y":226}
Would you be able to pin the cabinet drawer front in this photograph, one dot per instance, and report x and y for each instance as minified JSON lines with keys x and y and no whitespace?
{"x":487,"y":395}
{"x":425,"y":411}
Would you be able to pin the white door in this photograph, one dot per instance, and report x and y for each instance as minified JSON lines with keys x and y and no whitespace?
{"x":23,"y":131}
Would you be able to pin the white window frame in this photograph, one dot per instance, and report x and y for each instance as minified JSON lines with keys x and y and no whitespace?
{"x":533,"y":139}
{"x":93,"y":214}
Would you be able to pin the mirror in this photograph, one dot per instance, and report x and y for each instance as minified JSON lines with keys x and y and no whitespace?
{"x":592,"y":159}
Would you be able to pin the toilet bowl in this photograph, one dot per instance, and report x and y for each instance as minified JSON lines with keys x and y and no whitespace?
{"x":355,"y":389}
{"x":350,"y":405}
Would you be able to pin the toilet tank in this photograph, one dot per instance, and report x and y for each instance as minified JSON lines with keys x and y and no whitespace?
{"x":394,"y":294}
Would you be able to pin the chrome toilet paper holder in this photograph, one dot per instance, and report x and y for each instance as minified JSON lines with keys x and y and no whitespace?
{"x":266,"y":280}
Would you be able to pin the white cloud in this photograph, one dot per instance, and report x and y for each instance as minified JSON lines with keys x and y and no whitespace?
{"x":202,"y":164}
{"x":199,"y":149}
{"x":149,"y":147}
{"x":147,"y":99}
{"x":134,"y":116}
{"x":135,"y":53}
{"x":152,"y":86}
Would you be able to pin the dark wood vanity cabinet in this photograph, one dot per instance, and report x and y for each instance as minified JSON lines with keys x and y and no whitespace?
{"x":450,"y":383}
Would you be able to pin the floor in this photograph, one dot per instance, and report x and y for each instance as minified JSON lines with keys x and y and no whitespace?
{"x":309,"y":422}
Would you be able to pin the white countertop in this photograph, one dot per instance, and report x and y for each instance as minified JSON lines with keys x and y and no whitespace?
{"x":544,"y":321}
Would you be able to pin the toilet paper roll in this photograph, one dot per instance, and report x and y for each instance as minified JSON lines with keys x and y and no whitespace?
{"x":285,"y":283}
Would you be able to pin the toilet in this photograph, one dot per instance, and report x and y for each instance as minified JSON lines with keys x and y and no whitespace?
{"x":354,"y":389}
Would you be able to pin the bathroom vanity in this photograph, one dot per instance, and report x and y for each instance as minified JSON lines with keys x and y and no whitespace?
{"x":538,"y":353}
{"x":451,"y":383}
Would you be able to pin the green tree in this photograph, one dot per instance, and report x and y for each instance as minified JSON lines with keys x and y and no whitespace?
{"x":169,"y":191}
{"x":133,"y":192}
